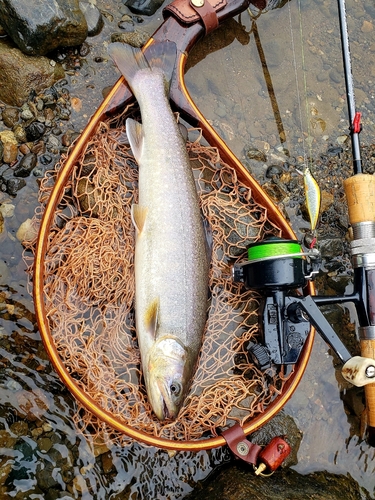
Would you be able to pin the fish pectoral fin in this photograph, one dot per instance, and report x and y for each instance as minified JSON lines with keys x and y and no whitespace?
{"x":134,"y":131}
{"x":138,"y":214}
{"x":151,"y":318}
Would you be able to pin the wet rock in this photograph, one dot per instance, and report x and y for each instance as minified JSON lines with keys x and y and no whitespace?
{"x":276,"y":191}
{"x":10,"y":117}
{"x":331,"y":247}
{"x":19,"y":133}
{"x":237,"y":483}
{"x":273,"y":170}
{"x":46,"y":159}
{"x":6,"y":173}
{"x":367,"y":26}
{"x":19,"y":428}
{"x":27,"y":231}
{"x":14,"y":185}
{"x":94,"y":18}
{"x":44,"y":444}
{"x":145,"y":7}
{"x":135,"y":39}
{"x":20,"y":74}
{"x":10,"y":153}
{"x":46,"y":476}
{"x":255,"y":154}
{"x":7,"y":440}
{"x":26,"y":113}
{"x":43,"y":25}
{"x":35,"y":131}
{"x":334,"y":151}
{"x":126,"y":23}
{"x":7,"y":210}
{"x":26,"y":165}
{"x":31,"y":405}
{"x":335,"y":76}
{"x":8,"y":136}
{"x":10,"y":149}
{"x":107,"y":462}
{"x":39,"y":148}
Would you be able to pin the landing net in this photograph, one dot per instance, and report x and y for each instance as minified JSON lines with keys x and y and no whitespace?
{"x":89,"y":292}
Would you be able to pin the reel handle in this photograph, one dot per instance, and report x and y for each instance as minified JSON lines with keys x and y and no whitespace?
{"x":360,"y":194}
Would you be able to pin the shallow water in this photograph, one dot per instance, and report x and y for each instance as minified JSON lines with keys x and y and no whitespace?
{"x":42,"y":454}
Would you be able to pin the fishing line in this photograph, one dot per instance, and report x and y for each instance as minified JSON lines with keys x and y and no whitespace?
{"x":305,"y":158}
{"x":267,"y":78}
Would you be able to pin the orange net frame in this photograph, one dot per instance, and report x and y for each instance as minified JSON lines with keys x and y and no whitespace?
{"x":89,"y":292}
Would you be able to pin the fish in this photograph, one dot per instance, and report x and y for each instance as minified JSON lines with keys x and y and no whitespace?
{"x":313,"y":197}
{"x":171,"y":262}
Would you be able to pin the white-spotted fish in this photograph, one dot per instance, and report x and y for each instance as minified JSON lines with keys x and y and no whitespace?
{"x":171,"y":262}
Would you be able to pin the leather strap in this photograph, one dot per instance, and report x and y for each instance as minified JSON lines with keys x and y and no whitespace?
{"x":207,"y":14}
{"x":240,"y":446}
{"x":190,"y":13}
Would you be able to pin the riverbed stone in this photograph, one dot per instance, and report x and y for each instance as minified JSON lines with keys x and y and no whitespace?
{"x":26,"y":165}
{"x":21,"y":74}
{"x":135,"y":38}
{"x":145,"y":7}
{"x":40,"y":26}
{"x":10,"y":116}
{"x":93,"y":17}
{"x":10,"y":152}
{"x":236,"y":483}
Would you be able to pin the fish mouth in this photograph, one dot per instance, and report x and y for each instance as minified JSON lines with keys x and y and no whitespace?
{"x":167,"y":408}
{"x":166,"y":413}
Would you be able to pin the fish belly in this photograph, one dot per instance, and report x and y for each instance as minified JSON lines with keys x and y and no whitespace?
{"x":171,"y":263}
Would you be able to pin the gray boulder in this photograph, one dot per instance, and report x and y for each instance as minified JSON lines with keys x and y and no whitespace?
{"x":240,"y":483}
{"x":40,"y":26}
{"x":21,"y":74}
{"x":93,"y":17}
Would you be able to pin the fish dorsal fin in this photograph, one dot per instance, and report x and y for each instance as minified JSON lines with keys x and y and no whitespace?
{"x":151,"y":318}
{"x":138,"y":214}
{"x":134,"y":131}
{"x":162,"y":55}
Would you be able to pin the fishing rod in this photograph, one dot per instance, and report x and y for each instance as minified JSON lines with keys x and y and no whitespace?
{"x":360,"y":194}
{"x":278,"y":267}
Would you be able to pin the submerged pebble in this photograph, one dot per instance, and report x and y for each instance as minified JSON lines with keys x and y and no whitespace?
{"x":26,"y":165}
{"x":26,"y":231}
{"x":35,"y":131}
{"x":10,"y":116}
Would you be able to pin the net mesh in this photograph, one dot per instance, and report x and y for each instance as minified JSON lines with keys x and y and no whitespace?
{"x":89,"y":292}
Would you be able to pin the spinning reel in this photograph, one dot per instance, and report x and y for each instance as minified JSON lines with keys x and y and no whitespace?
{"x":279,"y":269}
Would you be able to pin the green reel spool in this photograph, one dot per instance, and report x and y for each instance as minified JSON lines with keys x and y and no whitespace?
{"x":274,"y":247}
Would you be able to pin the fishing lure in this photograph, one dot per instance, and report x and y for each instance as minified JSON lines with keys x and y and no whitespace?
{"x":313,"y":197}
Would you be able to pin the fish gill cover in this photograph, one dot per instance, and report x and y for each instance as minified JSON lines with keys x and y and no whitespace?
{"x":89,"y":293}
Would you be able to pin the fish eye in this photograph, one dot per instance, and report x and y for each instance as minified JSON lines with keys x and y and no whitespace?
{"x":175,"y":389}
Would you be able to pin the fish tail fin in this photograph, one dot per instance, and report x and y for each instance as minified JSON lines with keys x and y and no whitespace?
{"x":130,"y":60}
{"x":162,"y":55}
